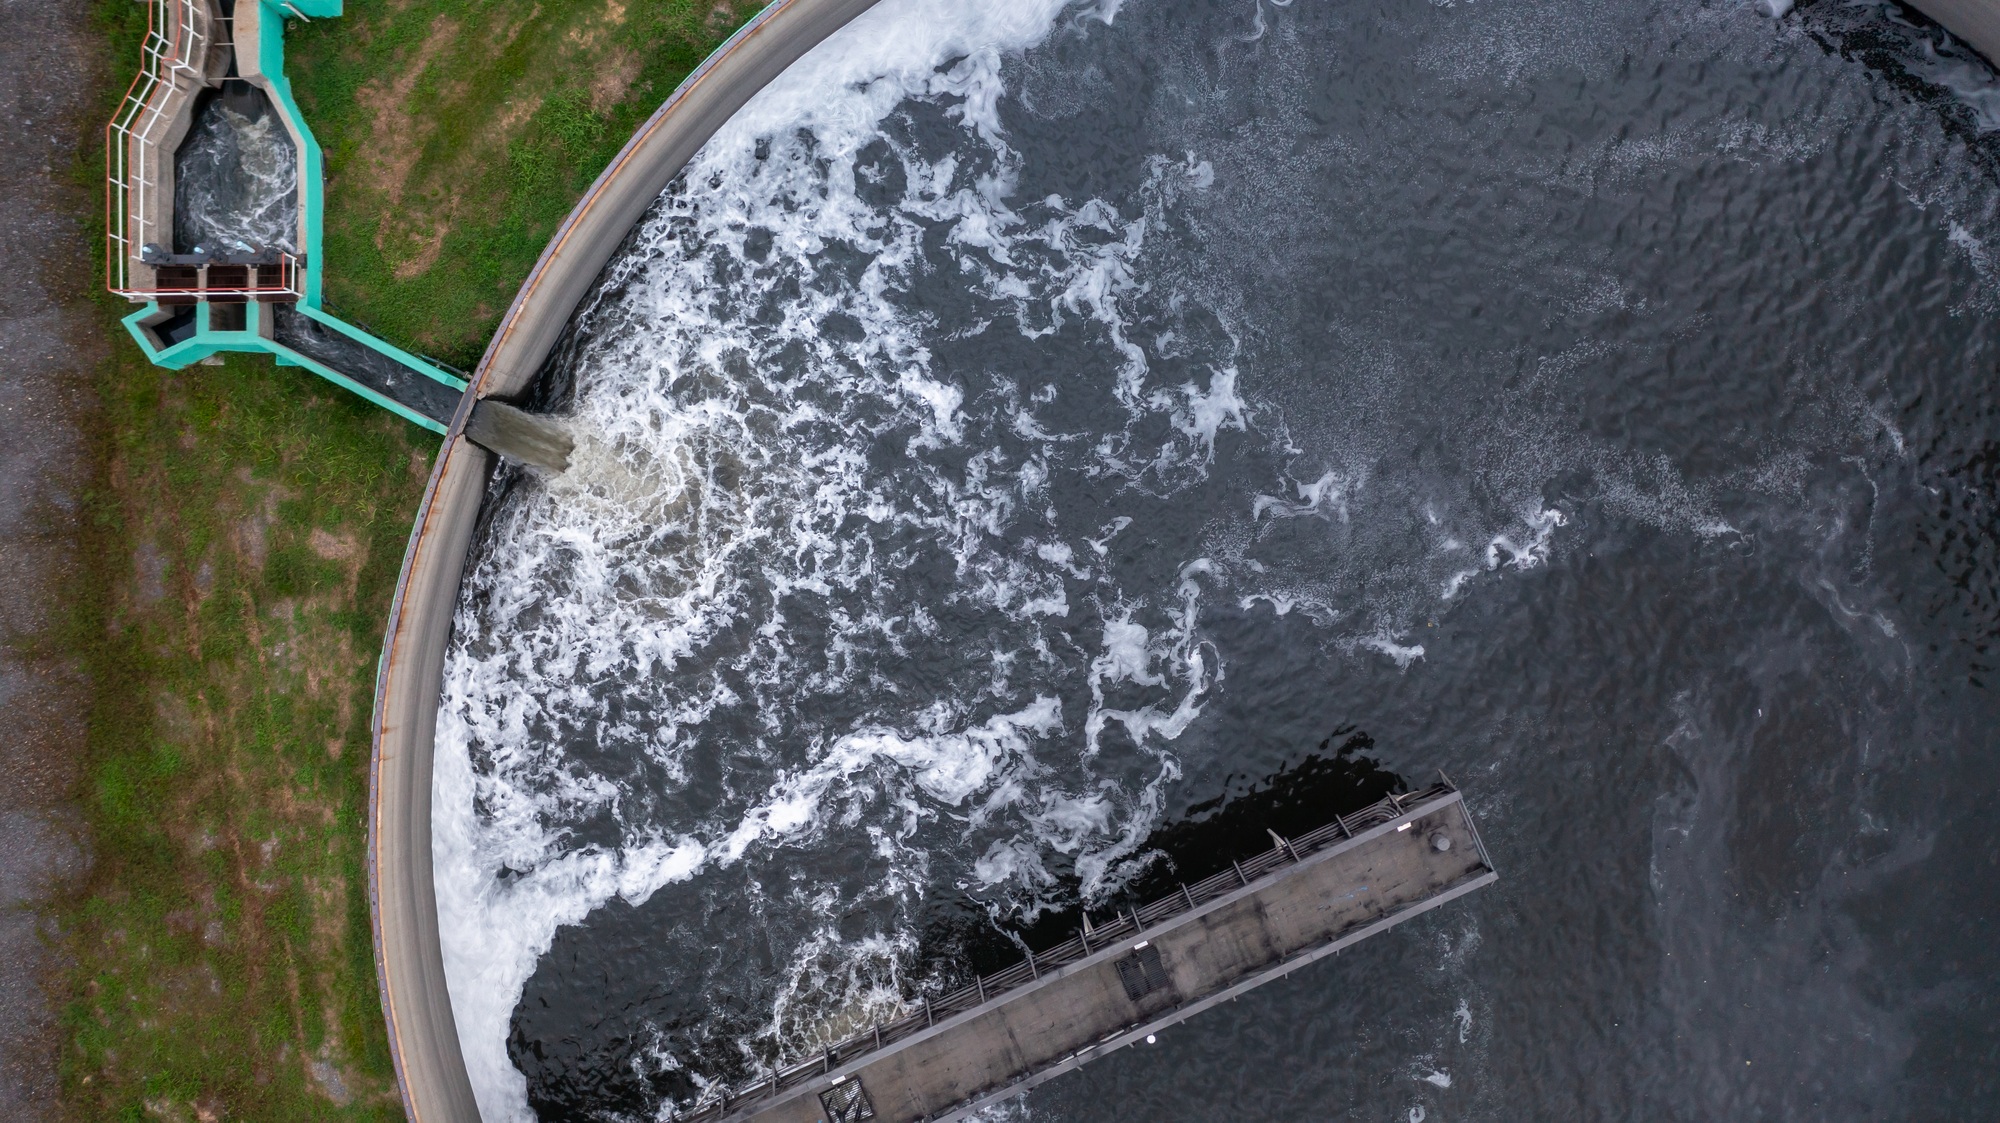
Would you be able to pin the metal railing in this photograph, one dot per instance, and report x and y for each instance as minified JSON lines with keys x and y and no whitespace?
{"x":178,"y":38}
{"x":281,"y":277}
{"x":174,"y":46}
{"x":1091,"y":939}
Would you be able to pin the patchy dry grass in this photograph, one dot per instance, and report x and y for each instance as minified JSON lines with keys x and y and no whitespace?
{"x":245,"y":526}
{"x":458,"y":133}
{"x":242,"y":530}
{"x":248,"y":525}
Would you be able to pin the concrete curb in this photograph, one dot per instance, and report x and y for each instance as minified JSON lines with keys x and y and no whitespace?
{"x":409,"y":962}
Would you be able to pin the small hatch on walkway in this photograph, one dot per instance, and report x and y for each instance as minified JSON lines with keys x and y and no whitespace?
{"x":1142,"y":973}
{"x":847,"y":1102}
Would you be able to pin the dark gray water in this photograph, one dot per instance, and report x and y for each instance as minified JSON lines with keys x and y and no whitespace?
{"x":236,"y":177}
{"x":1021,"y":436}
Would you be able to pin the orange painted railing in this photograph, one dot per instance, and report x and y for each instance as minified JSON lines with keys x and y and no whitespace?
{"x":175,"y":49}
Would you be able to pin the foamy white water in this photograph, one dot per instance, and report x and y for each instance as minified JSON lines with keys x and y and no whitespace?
{"x":635,"y":482}
{"x":822,"y":594}
{"x":238,"y":186}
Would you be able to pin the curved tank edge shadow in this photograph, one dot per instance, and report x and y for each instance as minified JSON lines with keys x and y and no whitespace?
{"x":963,"y":936}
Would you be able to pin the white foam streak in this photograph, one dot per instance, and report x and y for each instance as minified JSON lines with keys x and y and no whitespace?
{"x":1327,"y":495}
{"x":842,"y":89}
{"x":1403,"y":654}
{"x":697,"y":506}
{"x":1528,"y":552}
{"x":497,"y":929}
{"x":950,"y":768}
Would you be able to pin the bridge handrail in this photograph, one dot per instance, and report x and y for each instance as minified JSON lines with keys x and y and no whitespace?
{"x":175,"y":47}
{"x":1091,"y":939}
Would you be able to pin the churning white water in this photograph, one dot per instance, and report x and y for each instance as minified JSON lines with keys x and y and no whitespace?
{"x":685,"y":501}
{"x":824,"y":590}
{"x":236,"y":179}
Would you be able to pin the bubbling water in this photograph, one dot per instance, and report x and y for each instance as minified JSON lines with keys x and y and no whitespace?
{"x":910,"y":481}
{"x":236,"y":177}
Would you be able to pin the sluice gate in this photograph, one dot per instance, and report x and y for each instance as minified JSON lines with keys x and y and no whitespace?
{"x":1118,"y":981}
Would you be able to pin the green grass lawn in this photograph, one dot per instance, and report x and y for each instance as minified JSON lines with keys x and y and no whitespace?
{"x":458,"y":133}
{"x":244,"y":527}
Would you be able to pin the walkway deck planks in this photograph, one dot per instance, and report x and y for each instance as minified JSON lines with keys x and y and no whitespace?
{"x":1305,"y":899}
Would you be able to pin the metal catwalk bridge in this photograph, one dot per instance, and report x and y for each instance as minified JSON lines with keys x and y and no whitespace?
{"x":1118,"y":981}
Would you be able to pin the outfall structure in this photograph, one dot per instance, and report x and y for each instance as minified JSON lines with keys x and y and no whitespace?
{"x":201,"y":297}
{"x":423,"y":1037}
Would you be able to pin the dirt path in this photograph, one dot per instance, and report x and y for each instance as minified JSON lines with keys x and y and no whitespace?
{"x":49,"y":340}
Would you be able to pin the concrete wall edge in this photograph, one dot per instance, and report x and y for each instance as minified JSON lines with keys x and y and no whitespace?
{"x":1975,"y":21}
{"x":409,"y":961}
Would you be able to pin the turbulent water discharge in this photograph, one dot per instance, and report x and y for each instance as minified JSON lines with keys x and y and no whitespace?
{"x":236,"y":177}
{"x":1031,"y":430}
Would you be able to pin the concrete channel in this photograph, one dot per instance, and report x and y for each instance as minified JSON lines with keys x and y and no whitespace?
{"x":198,"y":300}
{"x":423,"y":1036}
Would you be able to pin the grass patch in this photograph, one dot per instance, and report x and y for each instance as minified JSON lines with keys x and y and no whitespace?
{"x":458,"y":133}
{"x":244,"y":528}
{"x":248,"y":526}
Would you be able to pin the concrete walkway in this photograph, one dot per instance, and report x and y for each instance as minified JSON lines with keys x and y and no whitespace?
{"x":423,"y":1036}
{"x":49,"y":342}
{"x":1975,"y":21}
{"x":1151,"y":968}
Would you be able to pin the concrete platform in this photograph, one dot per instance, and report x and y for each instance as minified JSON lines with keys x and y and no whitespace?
{"x":1305,"y":899}
{"x":1975,"y":21}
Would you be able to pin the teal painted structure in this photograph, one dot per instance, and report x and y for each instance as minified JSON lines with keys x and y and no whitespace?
{"x":253,"y":335}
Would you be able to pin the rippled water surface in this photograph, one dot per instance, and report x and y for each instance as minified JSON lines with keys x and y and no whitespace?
{"x":236,"y":177}
{"x":1029,"y":431}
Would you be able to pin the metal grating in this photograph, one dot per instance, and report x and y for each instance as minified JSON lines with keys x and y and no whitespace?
{"x":1142,"y":973}
{"x":847,"y":1102}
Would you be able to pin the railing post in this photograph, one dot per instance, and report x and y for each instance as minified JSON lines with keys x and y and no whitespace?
{"x":1032,"y":969}
{"x":1187,"y":896}
{"x":1238,"y":867}
{"x":929,"y":1019}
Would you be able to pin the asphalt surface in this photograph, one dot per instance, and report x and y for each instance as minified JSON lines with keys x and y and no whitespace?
{"x":49,"y":337}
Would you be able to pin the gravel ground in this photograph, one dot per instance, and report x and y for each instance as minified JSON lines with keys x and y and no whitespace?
{"x":49,"y":339}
